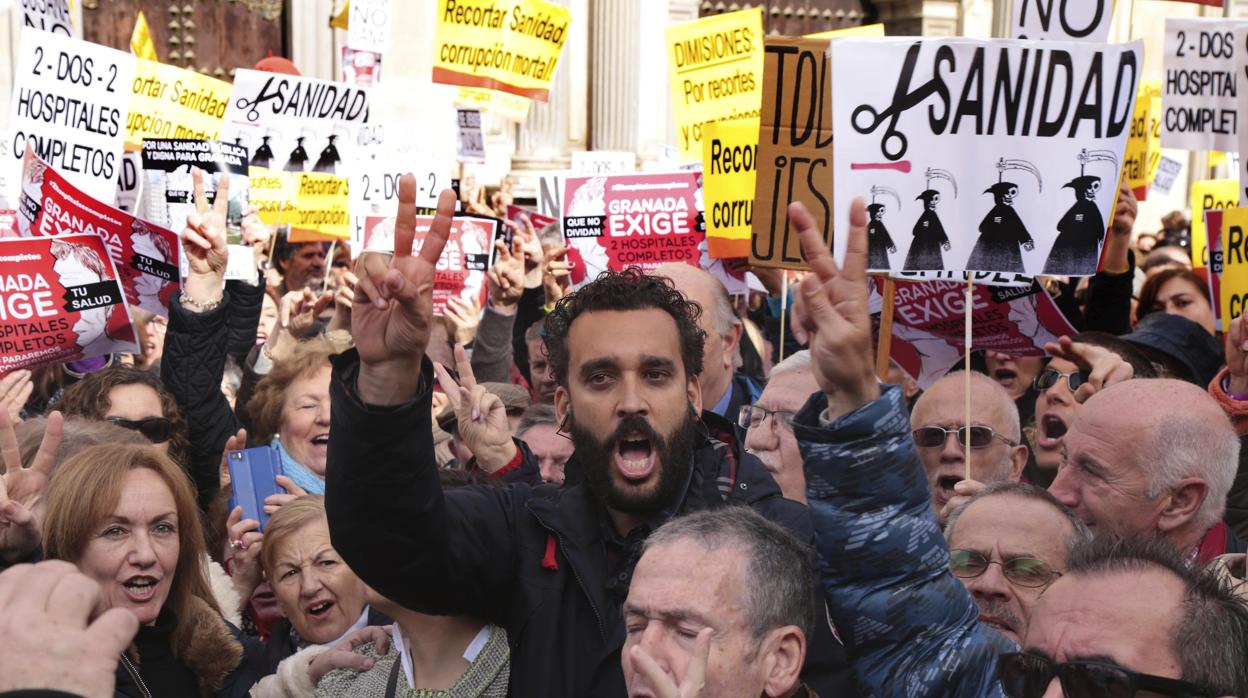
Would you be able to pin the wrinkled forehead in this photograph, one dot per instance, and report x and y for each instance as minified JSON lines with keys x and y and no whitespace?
{"x":1125,"y":617}
{"x":944,"y":404}
{"x":788,"y":391}
{"x":1015,"y":526}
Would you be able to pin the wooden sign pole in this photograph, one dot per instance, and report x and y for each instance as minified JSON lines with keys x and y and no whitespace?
{"x":885,"y":346}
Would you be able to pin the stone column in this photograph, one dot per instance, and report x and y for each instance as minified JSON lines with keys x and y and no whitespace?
{"x":556,"y":127}
{"x":920,"y":17}
{"x":615,"y":52}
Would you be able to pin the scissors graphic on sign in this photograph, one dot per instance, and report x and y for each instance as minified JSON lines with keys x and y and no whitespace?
{"x":903,"y":100}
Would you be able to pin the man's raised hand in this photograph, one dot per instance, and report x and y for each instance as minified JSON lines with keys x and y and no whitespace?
{"x":836,"y":317}
{"x":480,"y":416}
{"x":392,"y":313}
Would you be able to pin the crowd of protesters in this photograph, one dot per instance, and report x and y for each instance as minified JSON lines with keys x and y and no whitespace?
{"x":639,"y":487}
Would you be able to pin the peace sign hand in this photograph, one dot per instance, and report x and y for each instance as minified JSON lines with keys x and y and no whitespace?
{"x":835,"y":314}
{"x":481,"y":417}
{"x":203,"y":238}
{"x":392,"y":313}
{"x":21,"y":489}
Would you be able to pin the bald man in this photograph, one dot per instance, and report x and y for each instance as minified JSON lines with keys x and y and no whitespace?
{"x":997,"y":449}
{"x":724,"y":392}
{"x":1152,"y":458}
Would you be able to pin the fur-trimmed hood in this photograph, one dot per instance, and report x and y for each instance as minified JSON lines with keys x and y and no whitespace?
{"x":211,"y":648}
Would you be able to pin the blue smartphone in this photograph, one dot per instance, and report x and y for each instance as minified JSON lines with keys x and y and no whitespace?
{"x":253,"y":475}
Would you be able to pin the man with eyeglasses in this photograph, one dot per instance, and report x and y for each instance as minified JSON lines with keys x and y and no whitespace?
{"x":1117,"y":623}
{"x":940,"y":432}
{"x":768,"y":423}
{"x":1007,"y":544}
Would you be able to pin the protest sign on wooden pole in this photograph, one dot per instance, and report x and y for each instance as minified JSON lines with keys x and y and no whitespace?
{"x":784,"y":307}
{"x":885,"y":344}
{"x":966,"y":369}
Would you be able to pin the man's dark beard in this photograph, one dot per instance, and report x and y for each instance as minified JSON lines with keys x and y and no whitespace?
{"x":673,"y":458}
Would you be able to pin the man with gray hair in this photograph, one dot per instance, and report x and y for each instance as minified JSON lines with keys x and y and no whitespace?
{"x":720,"y":600}
{"x":1007,"y":544}
{"x":768,"y":423}
{"x":998,"y":452}
{"x":1152,"y":458}
{"x":723,"y":390}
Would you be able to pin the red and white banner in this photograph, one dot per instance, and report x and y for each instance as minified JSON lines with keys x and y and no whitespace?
{"x":465,"y":259}
{"x":146,"y":254}
{"x":929,"y":324}
{"x":617,"y":221}
{"x":60,"y":300}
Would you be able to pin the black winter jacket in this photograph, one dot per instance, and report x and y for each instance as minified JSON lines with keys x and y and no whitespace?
{"x":196,"y":347}
{"x":531,"y":559}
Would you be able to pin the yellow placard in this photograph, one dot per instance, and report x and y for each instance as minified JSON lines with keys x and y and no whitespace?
{"x":272,"y":192}
{"x":1207,"y":195}
{"x":509,"y":106}
{"x":141,"y":43}
{"x":1143,"y":152}
{"x":321,"y":206}
{"x":507,"y":45}
{"x":729,"y":151}
{"x":1233,"y":291}
{"x":339,"y":21}
{"x":866,"y":30}
{"x":715,"y":69}
{"x":169,"y":102}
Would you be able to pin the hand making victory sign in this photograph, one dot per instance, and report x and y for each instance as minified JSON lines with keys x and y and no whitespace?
{"x":834,"y":312}
{"x":480,"y":415}
{"x":204,"y":243}
{"x":392,"y":313}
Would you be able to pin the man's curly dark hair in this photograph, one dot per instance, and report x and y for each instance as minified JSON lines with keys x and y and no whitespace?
{"x":630,"y":289}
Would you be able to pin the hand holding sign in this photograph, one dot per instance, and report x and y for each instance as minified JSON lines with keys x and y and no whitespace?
{"x":836,"y":314}
{"x":22,"y":488}
{"x":481,"y":417}
{"x":1104,"y":367}
{"x":392,"y":313}
{"x":204,"y":241}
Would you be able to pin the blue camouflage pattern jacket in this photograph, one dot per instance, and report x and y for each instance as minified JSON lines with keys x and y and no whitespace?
{"x":909,"y":626}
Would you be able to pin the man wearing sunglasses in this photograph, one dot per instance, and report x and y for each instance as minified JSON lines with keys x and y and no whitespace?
{"x":940,"y":432}
{"x":910,"y":627}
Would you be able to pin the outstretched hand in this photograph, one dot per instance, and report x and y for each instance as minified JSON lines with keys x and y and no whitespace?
{"x":481,"y":417}
{"x":392,"y":313}
{"x":834,"y":313}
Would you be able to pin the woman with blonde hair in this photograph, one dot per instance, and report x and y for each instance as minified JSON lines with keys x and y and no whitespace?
{"x":126,"y":515}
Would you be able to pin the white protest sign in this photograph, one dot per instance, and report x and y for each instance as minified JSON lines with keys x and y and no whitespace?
{"x":587,"y":163}
{"x":368,"y":25}
{"x":996,"y":156}
{"x":471,"y":146}
{"x":129,"y":182}
{"x":373,"y":187}
{"x":984,"y":278}
{"x":1086,"y":20}
{"x":48,"y":15}
{"x":1167,"y":170}
{"x":296,"y":124}
{"x":1199,"y":110}
{"x":550,"y":193}
{"x":70,"y":100}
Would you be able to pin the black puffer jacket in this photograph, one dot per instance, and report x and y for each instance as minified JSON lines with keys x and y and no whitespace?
{"x":196,"y":347}
{"x":531,"y":559}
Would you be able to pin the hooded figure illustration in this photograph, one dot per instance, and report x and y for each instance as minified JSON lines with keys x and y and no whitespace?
{"x":298,"y":157}
{"x":264,"y":154}
{"x":929,"y":232}
{"x":879,"y":242}
{"x":1002,"y":233}
{"x":1082,"y":230}
{"x":329,"y":159}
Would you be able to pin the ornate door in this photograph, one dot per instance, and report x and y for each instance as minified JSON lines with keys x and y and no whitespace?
{"x":213,"y":37}
{"x":794,"y":17}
